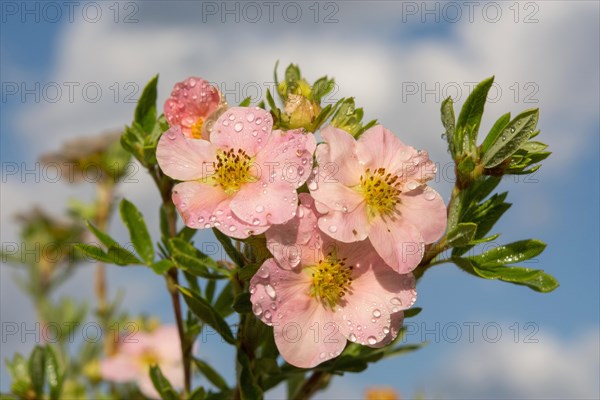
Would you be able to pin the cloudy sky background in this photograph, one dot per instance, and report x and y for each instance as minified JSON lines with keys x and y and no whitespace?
{"x":399,"y":61}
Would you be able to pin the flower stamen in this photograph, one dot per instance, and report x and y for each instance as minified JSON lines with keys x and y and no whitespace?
{"x":232,"y":170}
{"x":331,"y":280}
{"x":196,"y":129}
{"x":381,"y":190}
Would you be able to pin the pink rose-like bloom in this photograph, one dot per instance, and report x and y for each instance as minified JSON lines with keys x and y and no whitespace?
{"x":375,"y":187}
{"x":136,"y":353}
{"x":193,"y":106}
{"x":318,"y":293}
{"x":244,"y":180}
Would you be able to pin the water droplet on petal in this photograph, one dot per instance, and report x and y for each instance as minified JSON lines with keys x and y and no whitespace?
{"x":257,"y":309}
{"x":371,"y":340}
{"x":376,"y":313}
{"x":231,"y":117}
{"x":201,"y":220}
{"x":429,"y":195}
{"x":412,"y":185}
{"x":396,"y":301}
{"x":271,"y":292}
{"x":268,"y":314}
{"x":332,"y":228}
{"x":258,"y":121}
{"x":352,"y":337}
{"x":263,"y":272}
{"x":171,"y":135}
{"x":259,"y":208}
{"x":256,"y":221}
{"x":386,"y":330}
{"x":232,"y":228}
{"x":250,"y":117}
{"x":322,"y":356}
{"x":207,"y":225}
{"x":238,"y":127}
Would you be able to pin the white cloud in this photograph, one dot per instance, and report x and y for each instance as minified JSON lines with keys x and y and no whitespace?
{"x":550,"y":369}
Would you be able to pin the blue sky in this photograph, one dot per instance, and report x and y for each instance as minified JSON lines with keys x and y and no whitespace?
{"x":543,"y":54}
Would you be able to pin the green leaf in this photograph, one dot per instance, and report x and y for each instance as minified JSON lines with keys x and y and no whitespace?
{"x":19,"y":372}
{"x":245,"y":102}
{"x":223,"y":304}
{"x":469,"y":119}
{"x":162,"y":384}
{"x":104,"y":238}
{"x":94,"y":252}
{"x":321,"y":88}
{"x":449,"y":122}
{"x":510,"y":253}
{"x":292,"y":73}
{"x":462,"y":234}
{"x":37,"y":369}
{"x":138,"y":232}
{"x":190,"y":259}
{"x":246,"y":273}
{"x":53,"y":375}
{"x":242,"y":304}
{"x":145,"y":111}
{"x":412,"y":312}
{"x":198,"y":394}
{"x":162,"y":266}
{"x":249,"y":389}
{"x":121,"y":256}
{"x":213,"y":376}
{"x":203,"y":310}
{"x":229,"y":248}
{"x":513,"y":136}
{"x":495,"y":132}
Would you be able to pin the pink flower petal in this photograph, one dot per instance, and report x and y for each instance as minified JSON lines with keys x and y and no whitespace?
{"x":395,"y":325}
{"x":425,"y":209}
{"x":119,"y":368}
{"x":287,"y":156}
{"x":227,"y":222}
{"x":182,"y":158}
{"x":376,"y":292}
{"x":298,"y":241}
{"x":337,"y":158}
{"x":197,"y":203}
{"x":305,"y":333}
{"x":380,"y":148}
{"x":398,"y":242}
{"x":243,"y":128}
{"x":335,"y":196}
{"x":191,"y":100}
{"x":346,"y":226}
{"x":265,"y":203}
{"x":166,"y":344}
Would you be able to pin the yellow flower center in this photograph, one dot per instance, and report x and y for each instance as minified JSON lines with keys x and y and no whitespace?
{"x":148,"y":357}
{"x":331,"y":280}
{"x":381,"y":191}
{"x":232,"y":170}
{"x":197,"y":128}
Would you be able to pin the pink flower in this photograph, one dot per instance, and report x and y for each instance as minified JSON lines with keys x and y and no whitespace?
{"x":192,"y":106}
{"x":136,"y":353}
{"x":375,"y":187}
{"x":326,"y":292}
{"x":244,"y":179}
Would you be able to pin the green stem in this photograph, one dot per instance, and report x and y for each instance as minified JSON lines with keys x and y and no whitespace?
{"x":172,"y":277}
{"x":317,"y":381}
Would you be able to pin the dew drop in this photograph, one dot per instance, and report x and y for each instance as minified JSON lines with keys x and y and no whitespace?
{"x":232,"y":228}
{"x":254,"y":133}
{"x":332,"y":228}
{"x":429,"y":195}
{"x":271,"y":292}
{"x":396,"y":301}
{"x":376,"y":313}
{"x":313,"y":185}
{"x":256,"y":221}
{"x":258,"y":121}
{"x":231,"y":117}
{"x":171,"y":135}
{"x":263,"y":272}
{"x":250,"y":117}
{"x":412,"y":185}
{"x":207,"y":225}
{"x":225,"y":123}
{"x":257,"y":309}
{"x":386,"y":330}
{"x":371,"y":340}
{"x":268,"y":314}
{"x":322,"y":356}
{"x":352,"y":337}
{"x":512,"y":129}
{"x":259,"y":208}
{"x":238,"y":126}
{"x":200,"y":220}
